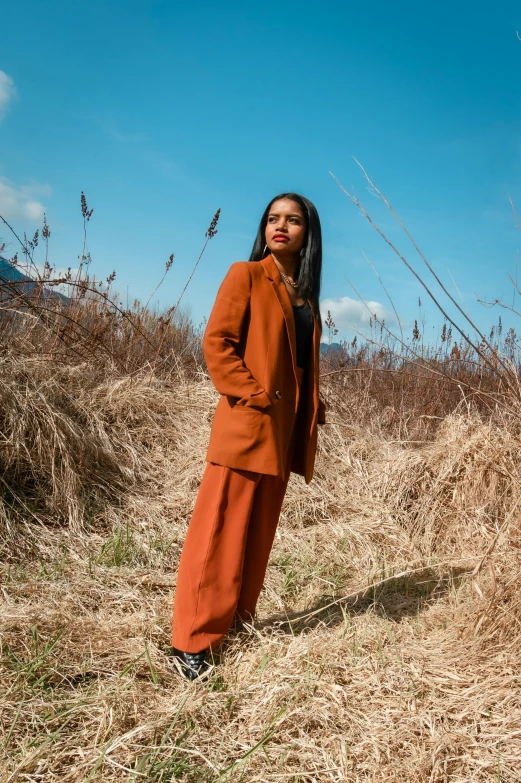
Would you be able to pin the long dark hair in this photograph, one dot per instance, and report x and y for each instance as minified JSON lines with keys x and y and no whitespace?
{"x":310,"y":268}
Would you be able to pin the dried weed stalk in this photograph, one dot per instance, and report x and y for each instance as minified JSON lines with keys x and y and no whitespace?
{"x":387,"y":646}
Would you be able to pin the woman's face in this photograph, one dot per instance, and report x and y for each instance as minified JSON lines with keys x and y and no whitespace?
{"x":286,"y":227}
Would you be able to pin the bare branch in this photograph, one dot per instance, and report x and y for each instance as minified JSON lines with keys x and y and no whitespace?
{"x":465,"y":336}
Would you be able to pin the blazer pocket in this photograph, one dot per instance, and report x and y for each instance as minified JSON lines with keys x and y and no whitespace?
{"x":258,"y":402}
{"x":249,"y":429}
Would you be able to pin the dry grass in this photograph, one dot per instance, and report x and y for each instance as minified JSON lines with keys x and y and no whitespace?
{"x":415,"y":679}
{"x":388,"y":637}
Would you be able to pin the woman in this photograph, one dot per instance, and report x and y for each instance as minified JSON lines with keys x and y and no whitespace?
{"x":262,"y":348}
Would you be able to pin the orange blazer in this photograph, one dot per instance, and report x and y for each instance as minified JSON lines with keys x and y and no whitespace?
{"x":250,"y":349}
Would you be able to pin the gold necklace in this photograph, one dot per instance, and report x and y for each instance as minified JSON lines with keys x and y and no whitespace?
{"x":288,"y":279}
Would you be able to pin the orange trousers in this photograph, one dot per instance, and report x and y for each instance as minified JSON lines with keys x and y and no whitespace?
{"x":225,"y":554}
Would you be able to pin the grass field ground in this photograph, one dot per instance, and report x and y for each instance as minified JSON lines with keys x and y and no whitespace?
{"x":387,"y":646}
{"x":388,"y":642}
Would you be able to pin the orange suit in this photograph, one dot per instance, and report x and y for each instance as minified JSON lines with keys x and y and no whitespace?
{"x":264,"y":427}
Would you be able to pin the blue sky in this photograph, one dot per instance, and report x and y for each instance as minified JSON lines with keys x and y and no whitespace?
{"x":163,"y":112}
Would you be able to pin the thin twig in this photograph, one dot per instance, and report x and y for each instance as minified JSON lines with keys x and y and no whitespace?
{"x":467,"y":339}
{"x":386,"y":293}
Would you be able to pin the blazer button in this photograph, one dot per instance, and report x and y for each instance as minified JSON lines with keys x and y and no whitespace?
{"x":278,"y":395}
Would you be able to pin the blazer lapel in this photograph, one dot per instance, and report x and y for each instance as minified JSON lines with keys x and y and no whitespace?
{"x":279,"y":287}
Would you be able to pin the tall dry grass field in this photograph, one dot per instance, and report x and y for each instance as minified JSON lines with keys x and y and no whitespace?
{"x":388,"y":641}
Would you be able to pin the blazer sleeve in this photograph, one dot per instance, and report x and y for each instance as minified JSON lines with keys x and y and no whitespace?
{"x":321,"y":412}
{"x":221,"y":339}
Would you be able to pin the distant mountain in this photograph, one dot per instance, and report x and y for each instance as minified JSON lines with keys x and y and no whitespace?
{"x":330,"y":350}
{"x":336,"y":352}
{"x":10,"y":273}
{"x":21,"y":284}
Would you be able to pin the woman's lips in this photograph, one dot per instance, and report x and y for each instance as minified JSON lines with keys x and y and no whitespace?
{"x":280,"y":238}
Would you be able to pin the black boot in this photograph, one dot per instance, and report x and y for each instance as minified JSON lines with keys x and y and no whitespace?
{"x":192,"y":665}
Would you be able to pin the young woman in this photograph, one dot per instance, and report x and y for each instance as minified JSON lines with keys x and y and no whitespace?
{"x":261,"y":345}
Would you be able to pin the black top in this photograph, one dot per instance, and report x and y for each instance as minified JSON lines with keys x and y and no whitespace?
{"x":304,"y":330}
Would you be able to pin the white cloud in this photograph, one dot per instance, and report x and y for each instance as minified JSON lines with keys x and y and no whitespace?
{"x":350,"y":313}
{"x":23,"y":202}
{"x":7,"y":92}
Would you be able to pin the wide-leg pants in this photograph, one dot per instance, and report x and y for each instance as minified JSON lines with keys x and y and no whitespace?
{"x":225,"y":554}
